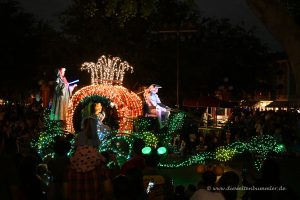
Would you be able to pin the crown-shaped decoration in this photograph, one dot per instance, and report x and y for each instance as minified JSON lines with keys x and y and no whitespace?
{"x":108,"y":70}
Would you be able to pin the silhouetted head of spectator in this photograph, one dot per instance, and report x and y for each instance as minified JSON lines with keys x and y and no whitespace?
{"x":209,"y":178}
{"x":135,"y":177}
{"x":8,"y":147}
{"x":28,"y":167}
{"x":179,"y":190}
{"x":271,"y":172}
{"x":41,"y":169}
{"x":134,"y":173}
{"x":70,"y":137}
{"x":191,"y":188}
{"x":61,"y":145}
{"x":107,"y":155}
{"x":122,"y":188}
{"x":138,"y":145}
{"x":152,"y":159}
{"x":229,"y":179}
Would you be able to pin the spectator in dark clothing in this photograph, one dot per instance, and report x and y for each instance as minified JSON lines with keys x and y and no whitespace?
{"x":190,"y":190}
{"x":271,"y":178}
{"x":179,"y":193}
{"x":157,"y":185}
{"x":136,"y":179}
{"x":206,"y":187}
{"x":137,"y":160}
{"x":58,"y":166}
{"x":129,"y":186}
{"x":9,"y":189}
{"x":112,"y":163}
{"x":229,"y":180}
{"x":30,"y":184}
{"x":87,"y":176}
{"x":122,"y":189}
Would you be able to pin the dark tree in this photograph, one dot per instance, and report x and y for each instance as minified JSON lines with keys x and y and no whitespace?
{"x":156,"y":42}
{"x":153,"y":36}
{"x":30,"y":51}
{"x":17,"y":49}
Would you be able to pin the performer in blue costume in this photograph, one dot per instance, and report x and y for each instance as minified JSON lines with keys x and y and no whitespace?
{"x":96,"y":120}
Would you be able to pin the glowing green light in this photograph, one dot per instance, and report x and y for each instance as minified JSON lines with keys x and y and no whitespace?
{"x":146,"y":150}
{"x":279,"y":148}
{"x":224,"y":154}
{"x":161,"y":150}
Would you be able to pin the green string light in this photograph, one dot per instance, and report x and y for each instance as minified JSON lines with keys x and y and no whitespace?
{"x":149,"y":138}
{"x":224,"y":154}
{"x":44,"y":142}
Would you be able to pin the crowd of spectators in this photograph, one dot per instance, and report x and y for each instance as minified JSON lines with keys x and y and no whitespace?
{"x":283,"y":125}
{"x":23,"y":175}
{"x":242,"y":125}
{"x":20,"y":123}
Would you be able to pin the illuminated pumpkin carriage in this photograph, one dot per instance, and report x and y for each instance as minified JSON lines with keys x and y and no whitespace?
{"x":106,"y":83}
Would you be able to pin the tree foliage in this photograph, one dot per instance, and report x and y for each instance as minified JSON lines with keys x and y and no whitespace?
{"x":29,"y":47}
{"x":154,"y":36}
{"x":15,"y":38}
{"x":208,"y":49}
{"x":293,"y":7}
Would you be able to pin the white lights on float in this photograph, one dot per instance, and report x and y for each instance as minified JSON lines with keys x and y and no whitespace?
{"x":106,"y":80}
{"x":107,"y":70}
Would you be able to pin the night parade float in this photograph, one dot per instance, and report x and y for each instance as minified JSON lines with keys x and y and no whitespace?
{"x":124,"y":109}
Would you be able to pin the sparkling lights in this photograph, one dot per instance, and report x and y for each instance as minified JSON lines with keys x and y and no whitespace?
{"x":175,"y":123}
{"x":106,"y":79}
{"x":224,"y":154}
{"x":129,"y":107}
{"x":259,"y":146}
{"x":45,"y":140}
{"x":149,"y":138}
{"x":128,"y":104}
{"x":107,"y":70}
{"x":121,"y":144}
